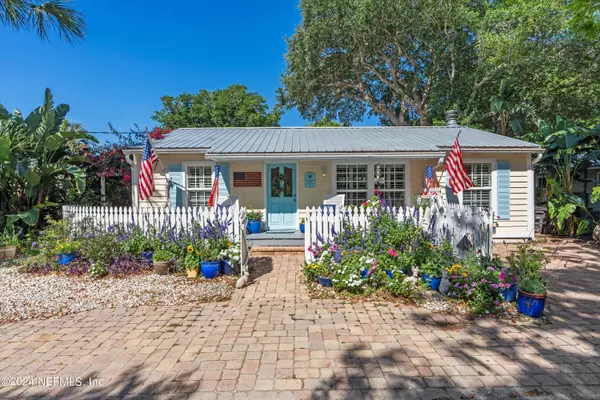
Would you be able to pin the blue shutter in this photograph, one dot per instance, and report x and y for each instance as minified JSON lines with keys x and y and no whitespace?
{"x":451,"y":198}
{"x":175,"y":185}
{"x":503,"y":189}
{"x":224,"y":183}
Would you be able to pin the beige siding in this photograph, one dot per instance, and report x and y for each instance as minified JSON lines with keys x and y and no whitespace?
{"x":313,"y":197}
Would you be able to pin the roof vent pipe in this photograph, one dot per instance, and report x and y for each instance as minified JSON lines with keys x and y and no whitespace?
{"x":451,"y":117}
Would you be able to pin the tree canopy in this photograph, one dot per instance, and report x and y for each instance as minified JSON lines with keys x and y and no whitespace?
{"x":230,"y":107}
{"x":407,"y":62}
{"x":42,"y":17}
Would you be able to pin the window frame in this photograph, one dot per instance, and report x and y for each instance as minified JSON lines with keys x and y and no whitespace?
{"x":493,"y":199}
{"x":371,"y":175}
{"x":186,"y":189}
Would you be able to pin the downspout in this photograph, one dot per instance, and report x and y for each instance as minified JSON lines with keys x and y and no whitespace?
{"x":135,"y":174}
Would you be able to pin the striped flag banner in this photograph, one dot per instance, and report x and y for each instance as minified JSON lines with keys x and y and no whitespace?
{"x":149,"y":160}
{"x":459,"y":179}
{"x":214,"y":192}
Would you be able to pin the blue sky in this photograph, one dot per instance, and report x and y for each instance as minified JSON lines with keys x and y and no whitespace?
{"x":136,"y":52}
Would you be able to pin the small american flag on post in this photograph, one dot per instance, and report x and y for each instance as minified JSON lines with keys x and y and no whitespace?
{"x":430,"y":181}
{"x":459,"y":179}
{"x":214,"y":192}
{"x":149,"y":160}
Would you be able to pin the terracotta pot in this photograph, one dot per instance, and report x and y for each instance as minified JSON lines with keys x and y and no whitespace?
{"x":8,"y":252}
{"x":161,"y":267}
{"x":192,"y":273}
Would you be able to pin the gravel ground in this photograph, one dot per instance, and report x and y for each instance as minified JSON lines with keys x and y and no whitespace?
{"x":24,"y":296}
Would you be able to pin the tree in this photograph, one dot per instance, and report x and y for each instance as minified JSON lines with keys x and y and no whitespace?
{"x":37,"y":163}
{"x":326,"y":122}
{"x":230,"y":107}
{"x":408,"y":61}
{"x":43,"y":16}
{"x":397,"y":59}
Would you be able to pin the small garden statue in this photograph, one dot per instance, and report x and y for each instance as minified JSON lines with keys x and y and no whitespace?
{"x":445,"y":283}
{"x":415,"y":276}
{"x":596,"y":234}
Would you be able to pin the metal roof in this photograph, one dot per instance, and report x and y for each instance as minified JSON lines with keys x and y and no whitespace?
{"x":334,"y":140}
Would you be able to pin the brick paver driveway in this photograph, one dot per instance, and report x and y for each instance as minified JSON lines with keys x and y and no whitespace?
{"x":271,"y":342}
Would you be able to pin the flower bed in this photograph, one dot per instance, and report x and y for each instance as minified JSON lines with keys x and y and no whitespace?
{"x":392,"y":256}
{"x":86,"y":249}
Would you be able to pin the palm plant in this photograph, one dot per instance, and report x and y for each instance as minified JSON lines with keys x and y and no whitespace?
{"x":37,"y":160}
{"x":42,"y":16}
{"x":570,"y":149}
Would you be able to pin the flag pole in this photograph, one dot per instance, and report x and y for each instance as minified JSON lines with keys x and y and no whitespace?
{"x":444,"y":162}
{"x":157,"y":156}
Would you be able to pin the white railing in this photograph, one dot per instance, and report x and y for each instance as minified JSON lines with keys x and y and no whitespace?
{"x":465,"y":227}
{"x":180,"y":218}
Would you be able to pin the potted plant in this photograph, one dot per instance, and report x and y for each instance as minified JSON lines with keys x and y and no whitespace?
{"x":302,"y":222}
{"x":432,"y":274}
{"x":508,"y":285}
{"x":162,"y":260}
{"x":66,"y":250}
{"x":8,"y":245}
{"x":147,"y":255}
{"x":191,"y":262}
{"x":532,"y":296}
{"x":210,"y":259}
{"x":230,"y":258}
{"x":254,"y":220}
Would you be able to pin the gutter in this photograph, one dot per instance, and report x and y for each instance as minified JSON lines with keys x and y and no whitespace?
{"x":322,"y":156}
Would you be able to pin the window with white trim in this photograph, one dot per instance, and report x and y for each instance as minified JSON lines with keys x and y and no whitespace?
{"x":199,"y":184}
{"x":390,"y":180}
{"x":352,"y":180}
{"x":481,"y":194}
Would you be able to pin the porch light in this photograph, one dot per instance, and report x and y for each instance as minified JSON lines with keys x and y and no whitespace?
{"x":323,"y":171}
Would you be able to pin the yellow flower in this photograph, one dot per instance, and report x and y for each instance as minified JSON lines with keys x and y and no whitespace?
{"x":343,"y":252}
{"x":190,"y":249}
{"x":229,"y":244}
{"x":464,"y":274}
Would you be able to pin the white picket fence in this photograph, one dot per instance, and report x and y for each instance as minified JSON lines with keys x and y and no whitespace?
{"x":180,"y":218}
{"x":465,"y":227}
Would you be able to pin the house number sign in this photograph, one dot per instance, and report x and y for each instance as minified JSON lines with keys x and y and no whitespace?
{"x":310,"y":180}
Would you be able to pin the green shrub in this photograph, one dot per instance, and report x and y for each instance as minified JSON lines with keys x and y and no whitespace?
{"x":525,"y":261}
{"x":533,"y":284}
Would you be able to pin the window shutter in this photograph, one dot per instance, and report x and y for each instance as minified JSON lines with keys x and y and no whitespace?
{"x":224,"y":183}
{"x":451,"y":198}
{"x":503,"y":189}
{"x":175,"y":185}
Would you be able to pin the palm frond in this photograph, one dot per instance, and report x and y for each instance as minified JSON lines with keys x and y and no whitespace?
{"x":13,"y":13}
{"x":55,"y":15}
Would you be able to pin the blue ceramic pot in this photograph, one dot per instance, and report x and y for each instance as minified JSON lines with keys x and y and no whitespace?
{"x":254,"y":226}
{"x":531,"y":304}
{"x":325,"y":281}
{"x":147,"y":256}
{"x":364,"y":274}
{"x":433,"y":282}
{"x":64,"y":259}
{"x":389,"y":273}
{"x":510,"y":294}
{"x":302,"y":228}
{"x":228,"y":268}
{"x":210,"y":269}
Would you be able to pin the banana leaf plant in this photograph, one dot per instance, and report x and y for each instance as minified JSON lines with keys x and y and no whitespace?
{"x":38,"y":160}
{"x":570,"y":149}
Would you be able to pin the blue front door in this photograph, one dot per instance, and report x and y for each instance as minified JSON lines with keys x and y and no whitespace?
{"x":281,"y":197}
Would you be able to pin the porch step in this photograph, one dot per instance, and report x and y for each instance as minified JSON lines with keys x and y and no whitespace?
{"x":276,"y":250}
{"x":276,"y":239}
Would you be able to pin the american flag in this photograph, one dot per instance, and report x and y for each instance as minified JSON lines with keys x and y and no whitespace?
{"x":149,"y":160}
{"x":214,"y":192}
{"x":430,"y":181}
{"x":459,"y":178}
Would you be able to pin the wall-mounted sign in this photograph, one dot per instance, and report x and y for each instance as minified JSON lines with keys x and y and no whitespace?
{"x":247,"y":179}
{"x":310,"y":180}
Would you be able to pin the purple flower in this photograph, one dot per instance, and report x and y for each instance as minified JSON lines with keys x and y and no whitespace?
{"x":34,"y":245}
{"x":495,"y":286}
{"x":465,"y":286}
{"x":473,"y":284}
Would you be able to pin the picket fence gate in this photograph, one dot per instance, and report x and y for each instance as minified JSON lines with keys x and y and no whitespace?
{"x":180,"y":218}
{"x":464,"y":226}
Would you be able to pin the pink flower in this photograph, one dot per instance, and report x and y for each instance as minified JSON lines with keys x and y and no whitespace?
{"x":501,"y":285}
{"x":126,"y":178}
{"x":465,"y":286}
{"x":473,"y":284}
{"x":392,"y":253}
